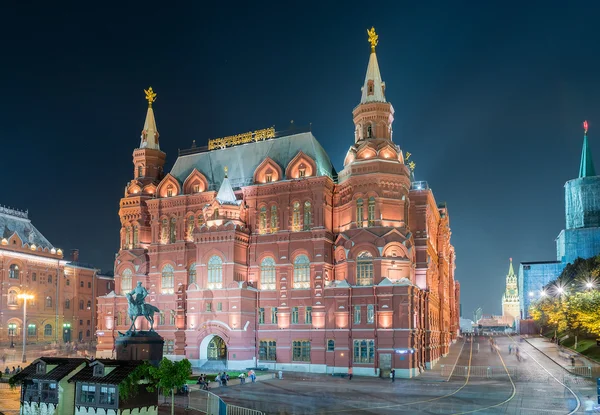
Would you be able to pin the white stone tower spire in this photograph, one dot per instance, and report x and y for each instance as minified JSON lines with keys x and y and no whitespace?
{"x":373,"y":89}
{"x":150,"y":132}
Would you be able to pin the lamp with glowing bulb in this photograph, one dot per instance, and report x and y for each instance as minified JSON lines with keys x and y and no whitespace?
{"x":24,"y":297}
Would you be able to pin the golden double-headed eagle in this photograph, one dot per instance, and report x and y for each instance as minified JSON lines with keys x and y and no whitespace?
{"x":373,"y":38}
{"x":150,"y":96}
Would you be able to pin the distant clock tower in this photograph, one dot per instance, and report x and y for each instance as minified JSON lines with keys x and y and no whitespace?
{"x":510,"y":298}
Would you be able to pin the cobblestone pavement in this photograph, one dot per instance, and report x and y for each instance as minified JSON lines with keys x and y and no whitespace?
{"x":534,"y":387}
{"x":9,"y":400}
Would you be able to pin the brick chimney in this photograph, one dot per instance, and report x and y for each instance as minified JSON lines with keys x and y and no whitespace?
{"x":75,"y":255}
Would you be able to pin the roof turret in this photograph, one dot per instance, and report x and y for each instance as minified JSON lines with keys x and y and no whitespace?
{"x":150,"y":132}
{"x":373,"y":89}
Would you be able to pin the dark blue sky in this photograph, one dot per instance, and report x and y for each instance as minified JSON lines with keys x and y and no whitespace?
{"x":489,"y":98}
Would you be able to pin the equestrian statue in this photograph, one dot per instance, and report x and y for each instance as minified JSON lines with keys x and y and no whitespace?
{"x":138,"y":307}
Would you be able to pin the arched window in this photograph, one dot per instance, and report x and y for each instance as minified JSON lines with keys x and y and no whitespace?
{"x":12,"y":297}
{"x":89,"y":305}
{"x":215,"y":272}
{"x":191,"y":222}
{"x":359,"y":213}
{"x":48,"y":301}
{"x":364,"y":269}
{"x":87,"y":333}
{"x":296,"y":217}
{"x":200,"y":220}
{"x":172,"y":232}
{"x":167,"y":284}
{"x":262,"y":220}
{"x":67,"y":303}
{"x":139,"y":171}
{"x":136,"y":235}
{"x":192,"y":273}
{"x":371,"y":211}
{"x":48,"y":330}
{"x":126,"y":281}
{"x":307,"y":215}
{"x":267,"y":274}
{"x":216,"y":214}
{"x":369,"y":131}
{"x":14,"y":272}
{"x":164,"y":232}
{"x":274,"y":219}
{"x":169,"y":190}
{"x":31,"y":330}
{"x":301,"y":272}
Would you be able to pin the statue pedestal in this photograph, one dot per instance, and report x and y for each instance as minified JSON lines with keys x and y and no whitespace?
{"x":140,"y":345}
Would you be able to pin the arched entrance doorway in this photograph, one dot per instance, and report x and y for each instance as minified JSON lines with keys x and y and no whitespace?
{"x":216,"y":349}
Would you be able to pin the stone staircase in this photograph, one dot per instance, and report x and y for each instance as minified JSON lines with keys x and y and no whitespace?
{"x":213,"y":366}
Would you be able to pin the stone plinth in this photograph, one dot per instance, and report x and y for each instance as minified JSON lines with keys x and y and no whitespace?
{"x":141,"y":345}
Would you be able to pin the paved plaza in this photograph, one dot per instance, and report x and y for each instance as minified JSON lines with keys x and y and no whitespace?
{"x":460,"y":384}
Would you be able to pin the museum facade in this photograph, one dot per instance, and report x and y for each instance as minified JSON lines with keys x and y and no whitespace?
{"x":259,"y":254}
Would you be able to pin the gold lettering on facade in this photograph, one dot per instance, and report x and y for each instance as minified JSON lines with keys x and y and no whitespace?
{"x":234,"y":140}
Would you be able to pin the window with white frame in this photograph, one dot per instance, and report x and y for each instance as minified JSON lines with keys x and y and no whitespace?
{"x":215,"y":272}
{"x":359,"y":213}
{"x":371,"y":212}
{"x":167,"y":282}
{"x":301,"y":272}
{"x":126,"y":281}
{"x":357,"y":313}
{"x":274,"y":219}
{"x":370,"y":314}
{"x":262,"y":220}
{"x":364,"y":351}
{"x":267,"y":274}
{"x":307,"y":215}
{"x":364,"y":268}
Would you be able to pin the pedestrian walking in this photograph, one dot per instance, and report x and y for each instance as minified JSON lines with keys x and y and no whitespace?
{"x":218,"y":379}
{"x":252,"y":376}
{"x":3,"y":359}
{"x":349,"y":373}
{"x":588,"y":405}
{"x":393,"y":375}
{"x":509,"y":348}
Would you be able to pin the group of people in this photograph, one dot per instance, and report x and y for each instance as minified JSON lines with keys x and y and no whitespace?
{"x":512,"y":348}
{"x":223,"y":378}
{"x":14,"y":371}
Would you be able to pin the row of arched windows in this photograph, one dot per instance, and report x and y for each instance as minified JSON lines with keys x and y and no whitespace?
{"x":12,"y":299}
{"x":301,"y":275}
{"x":360,"y":213}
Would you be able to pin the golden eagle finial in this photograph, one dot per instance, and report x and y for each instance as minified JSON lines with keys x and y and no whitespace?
{"x":226,"y":171}
{"x":373,"y":38}
{"x":150,"y":96}
{"x":412,"y":166}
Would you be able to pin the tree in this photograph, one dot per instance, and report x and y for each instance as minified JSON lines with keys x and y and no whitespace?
{"x":129,"y":386}
{"x":171,"y":375}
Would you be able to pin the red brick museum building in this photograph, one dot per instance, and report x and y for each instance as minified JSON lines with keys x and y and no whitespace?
{"x":259,"y":254}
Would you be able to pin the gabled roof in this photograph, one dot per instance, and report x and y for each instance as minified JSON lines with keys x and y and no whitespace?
{"x":63,"y":368}
{"x":14,"y":221}
{"x":122,"y":369}
{"x":242,"y":160}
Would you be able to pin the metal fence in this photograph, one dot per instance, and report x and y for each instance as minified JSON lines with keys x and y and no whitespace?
{"x":210,"y":404}
{"x":585,"y":371}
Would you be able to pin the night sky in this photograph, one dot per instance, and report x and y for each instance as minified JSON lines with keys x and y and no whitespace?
{"x":488,"y":99}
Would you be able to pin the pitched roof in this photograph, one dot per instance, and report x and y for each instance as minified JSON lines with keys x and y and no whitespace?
{"x":14,"y":221}
{"x":122,"y":369}
{"x":226,"y":196}
{"x":63,"y":368}
{"x":242,"y":160}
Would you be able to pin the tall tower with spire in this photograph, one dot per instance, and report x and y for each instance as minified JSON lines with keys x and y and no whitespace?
{"x":373,"y":116}
{"x":510,"y":298}
{"x":148,"y":160}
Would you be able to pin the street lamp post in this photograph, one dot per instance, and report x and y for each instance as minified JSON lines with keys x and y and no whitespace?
{"x":11,"y":331}
{"x":24,"y":297}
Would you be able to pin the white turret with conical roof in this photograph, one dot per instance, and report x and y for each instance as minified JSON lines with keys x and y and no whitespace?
{"x":373,"y":89}
{"x":226,"y":195}
{"x":373,"y":116}
{"x":150,"y":132}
